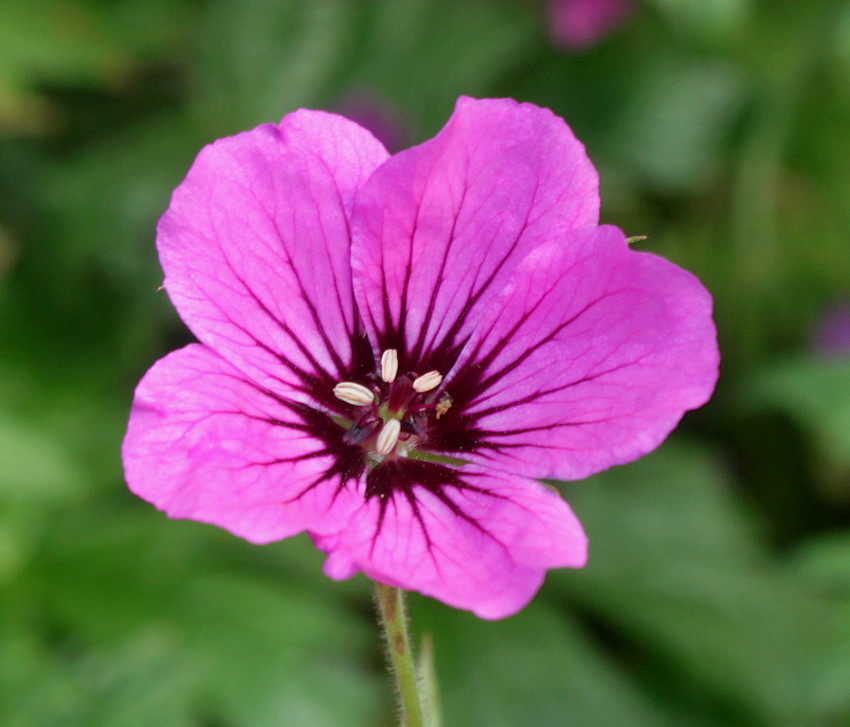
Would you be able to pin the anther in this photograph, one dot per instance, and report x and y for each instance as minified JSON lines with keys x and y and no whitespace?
{"x":388,"y":437}
{"x":352,"y":393}
{"x":428,"y":381}
{"x":389,"y":365}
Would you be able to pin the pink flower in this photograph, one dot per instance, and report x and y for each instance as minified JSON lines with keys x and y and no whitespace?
{"x":578,"y":24}
{"x":831,"y":334}
{"x":386,"y":121}
{"x":394,"y":349}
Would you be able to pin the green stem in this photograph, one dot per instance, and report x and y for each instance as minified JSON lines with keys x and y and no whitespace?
{"x":393,"y":615}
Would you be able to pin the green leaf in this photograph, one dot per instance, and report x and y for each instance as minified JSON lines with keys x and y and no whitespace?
{"x":36,"y":688}
{"x":824,"y":562}
{"x":34,"y":464}
{"x":674,"y":127}
{"x":536,"y":668}
{"x":64,"y":41}
{"x":708,"y":19}
{"x":423,"y":54}
{"x":278,"y":655}
{"x":261,"y":644}
{"x":676,"y":568}
{"x":815,"y":392}
{"x":259,"y":60}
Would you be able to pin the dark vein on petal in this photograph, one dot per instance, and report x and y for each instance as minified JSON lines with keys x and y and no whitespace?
{"x":448,"y":340}
{"x":314,"y":313}
{"x":344,"y":214}
{"x":522,"y":321}
{"x":435,"y":290}
{"x":546,"y":392}
{"x":282,"y":326}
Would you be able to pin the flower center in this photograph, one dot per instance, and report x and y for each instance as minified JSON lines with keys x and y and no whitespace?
{"x":392,"y":414}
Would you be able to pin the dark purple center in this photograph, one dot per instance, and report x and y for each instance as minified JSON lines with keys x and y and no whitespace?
{"x":435,"y":436}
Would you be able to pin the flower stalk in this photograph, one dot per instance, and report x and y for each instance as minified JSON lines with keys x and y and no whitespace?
{"x":392,"y":611}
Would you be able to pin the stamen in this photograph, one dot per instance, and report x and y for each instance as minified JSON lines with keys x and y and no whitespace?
{"x":388,"y":437}
{"x":428,"y":381}
{"x":352,"y":393}
{"x":389,"y":365}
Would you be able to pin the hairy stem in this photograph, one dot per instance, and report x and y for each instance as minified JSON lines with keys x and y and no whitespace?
{"x":392,"y":610}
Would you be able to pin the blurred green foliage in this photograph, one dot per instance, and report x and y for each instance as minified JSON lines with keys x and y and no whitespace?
{"x":718,"y":591}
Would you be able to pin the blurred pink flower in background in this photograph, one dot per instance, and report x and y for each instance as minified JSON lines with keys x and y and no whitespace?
{"x":831,"y":333}
{"x":576,"y":25}
{"x":372,"y":111}
{"x":395,"y":349}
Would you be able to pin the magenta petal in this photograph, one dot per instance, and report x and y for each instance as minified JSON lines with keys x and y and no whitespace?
{"x":529,"y":344}
{"x":256,"y":247}
{"x":205,"y":444}
{"x":590,"y":358}
{"x":439,"y":228}
{"x":483,"y":546}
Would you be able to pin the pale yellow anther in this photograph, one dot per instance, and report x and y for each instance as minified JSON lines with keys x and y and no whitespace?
{"x":428,"y":381}
{"x":352,"y":393}
{"x":388,"y":437}
{"x":389,"y":365}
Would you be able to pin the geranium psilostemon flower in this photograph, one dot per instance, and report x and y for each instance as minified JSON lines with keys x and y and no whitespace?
{"x":395,"y":349}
